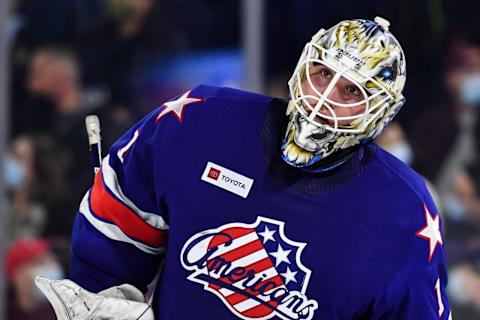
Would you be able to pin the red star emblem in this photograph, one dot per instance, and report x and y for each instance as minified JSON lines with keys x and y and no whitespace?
{"x":176,"y":106}
{"x":431,"y":232}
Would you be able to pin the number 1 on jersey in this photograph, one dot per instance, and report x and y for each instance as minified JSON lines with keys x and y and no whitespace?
{"x":441,"y":307}
{"x":121,"y":152}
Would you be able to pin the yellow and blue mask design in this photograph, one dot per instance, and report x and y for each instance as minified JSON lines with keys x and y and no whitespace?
{"x":361,"y":55}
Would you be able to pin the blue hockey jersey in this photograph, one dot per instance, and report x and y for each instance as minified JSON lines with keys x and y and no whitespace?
{"x":198,"y":190}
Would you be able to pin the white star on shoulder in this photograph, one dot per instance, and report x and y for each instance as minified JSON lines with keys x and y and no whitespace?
{"x":176,"y":106}
{"x":281,"y":255}
{"x":289,"y":276}
{"x":431,"y":232}
{"x":267,"y":234}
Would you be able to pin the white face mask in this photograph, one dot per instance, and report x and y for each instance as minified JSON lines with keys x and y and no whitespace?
{"x":14,"y":173}
{"x":402,"y":151}
{"x":470,"y":89}
{"x":454,"y":208}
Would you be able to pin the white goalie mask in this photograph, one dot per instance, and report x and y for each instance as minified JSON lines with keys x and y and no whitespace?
{"x":346,"y":87}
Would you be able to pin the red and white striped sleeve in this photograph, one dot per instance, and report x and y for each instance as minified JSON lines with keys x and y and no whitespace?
{"x":121,"y":228}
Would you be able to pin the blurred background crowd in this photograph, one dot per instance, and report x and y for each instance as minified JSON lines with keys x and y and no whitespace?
{"x":121,"y":58}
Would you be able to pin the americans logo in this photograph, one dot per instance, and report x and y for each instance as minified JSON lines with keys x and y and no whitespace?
{"x":253,"y":268}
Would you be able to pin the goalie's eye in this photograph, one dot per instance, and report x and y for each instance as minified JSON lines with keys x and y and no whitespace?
{"x":387,"y":73}
{"x":321,"y":73}
{"x":326,"y":73}
{"x":352,"y":91}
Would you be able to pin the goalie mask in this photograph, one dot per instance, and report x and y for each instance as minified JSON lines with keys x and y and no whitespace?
{"x":346,"y":87}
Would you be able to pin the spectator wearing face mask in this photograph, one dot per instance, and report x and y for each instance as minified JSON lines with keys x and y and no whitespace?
{"x":31,"y":163}
{"x":393,"y":140}
{"x":25,"y":259}
{"x":28,"y":216}
{"x":445,"y":135}
{"x":462,"y":219}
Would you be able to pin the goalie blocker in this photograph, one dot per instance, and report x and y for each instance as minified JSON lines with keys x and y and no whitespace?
{"x":72,"y":302}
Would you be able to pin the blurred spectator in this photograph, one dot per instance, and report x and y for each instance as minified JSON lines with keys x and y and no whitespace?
{"x":55,"y":74}
{"x":34,"y":24}
{"x":28,"y":217}
{"x":462,"y":236}
{"x":394,"y":141}
{"x":462,"y":207}
{"x":25,"y":259}
{"x":444,"y":137}
{"x":464,"y":291}
{"x":31,"y":164}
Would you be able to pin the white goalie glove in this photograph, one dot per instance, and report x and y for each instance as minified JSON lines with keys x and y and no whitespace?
{"x":72,"y":302}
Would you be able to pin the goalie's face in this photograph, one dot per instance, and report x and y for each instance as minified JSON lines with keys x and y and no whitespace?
{"x":345,"y":99}
{"x":346,"y":87}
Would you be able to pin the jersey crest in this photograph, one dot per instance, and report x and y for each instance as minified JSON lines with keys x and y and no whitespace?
{"x":254,"y":269}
